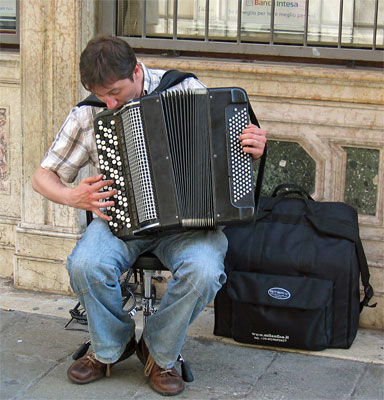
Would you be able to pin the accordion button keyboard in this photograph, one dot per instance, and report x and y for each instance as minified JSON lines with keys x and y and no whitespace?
{"x":241,"y":178}
{"x":111,"y":166}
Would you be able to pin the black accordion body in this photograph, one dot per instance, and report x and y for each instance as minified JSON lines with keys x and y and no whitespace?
{"x":176,"y":161}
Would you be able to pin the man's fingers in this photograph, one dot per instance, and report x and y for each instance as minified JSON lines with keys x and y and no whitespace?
{"x":101,"y":215}
{"x":253,"y":135}
{"x":103,"y":204}
{"x":253,"y":143}
{"x":99,"y":185}
{"x":93,"y":179}
{"x":97,"y":182}
{"x":104,"y":195}
{"x":253,"y":140}
{"x":254,"y":128}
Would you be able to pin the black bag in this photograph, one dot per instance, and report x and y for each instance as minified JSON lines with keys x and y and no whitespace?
{"x":293,"y":275}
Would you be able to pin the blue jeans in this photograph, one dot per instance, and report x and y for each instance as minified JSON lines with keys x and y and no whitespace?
{"x":195,"y":259}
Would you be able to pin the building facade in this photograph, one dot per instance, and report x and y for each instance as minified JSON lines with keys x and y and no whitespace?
{"x":325,"y":125}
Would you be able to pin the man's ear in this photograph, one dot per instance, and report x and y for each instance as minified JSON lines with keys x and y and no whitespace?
{"x":136,"y":71}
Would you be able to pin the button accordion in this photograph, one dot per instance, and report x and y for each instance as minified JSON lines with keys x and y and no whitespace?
{"x":176,"y":161}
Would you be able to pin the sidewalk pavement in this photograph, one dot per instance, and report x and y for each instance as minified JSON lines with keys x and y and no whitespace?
{"x":36,"y":352}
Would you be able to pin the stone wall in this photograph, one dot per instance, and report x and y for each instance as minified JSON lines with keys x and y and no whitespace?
{"x":325,"y":127}
{"x":10,"y":158}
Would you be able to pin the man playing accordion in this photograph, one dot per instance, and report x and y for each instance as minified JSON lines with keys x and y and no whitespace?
{"x":110,"y":70}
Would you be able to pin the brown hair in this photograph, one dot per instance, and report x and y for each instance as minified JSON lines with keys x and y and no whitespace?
{"x":106,"y":59}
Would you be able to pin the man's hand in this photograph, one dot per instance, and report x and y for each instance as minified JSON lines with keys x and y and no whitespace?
{"x":253,"y":140}
{"x":87,"y":195}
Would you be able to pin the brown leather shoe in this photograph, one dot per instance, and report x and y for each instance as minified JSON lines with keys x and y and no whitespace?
{"x":87,"y":369}
{"x":164,"y":381}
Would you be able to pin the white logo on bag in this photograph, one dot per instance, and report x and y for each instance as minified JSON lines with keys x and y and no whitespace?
{"x":279,"y":293}
{"x":270,"y":337}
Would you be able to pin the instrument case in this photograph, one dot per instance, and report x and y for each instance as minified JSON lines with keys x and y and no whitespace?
{"x":294,"y":275}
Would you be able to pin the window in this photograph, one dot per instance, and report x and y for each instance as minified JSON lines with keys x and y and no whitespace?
{"x":341,"y":29}
{"x":9,"y":23}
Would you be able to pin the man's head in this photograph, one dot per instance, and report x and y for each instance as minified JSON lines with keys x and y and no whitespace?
{"x":108,"y":68}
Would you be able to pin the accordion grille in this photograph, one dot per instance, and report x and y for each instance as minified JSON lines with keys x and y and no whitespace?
{"x":188,"y":135}
{"x":139,"y":164}
{"x":240,"y":165}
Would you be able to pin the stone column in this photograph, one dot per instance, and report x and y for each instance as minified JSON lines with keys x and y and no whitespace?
{"x":53,"y":34}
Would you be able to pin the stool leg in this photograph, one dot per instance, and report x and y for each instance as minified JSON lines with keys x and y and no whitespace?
{"x":148,"y":307}
{"x":186,"y":372}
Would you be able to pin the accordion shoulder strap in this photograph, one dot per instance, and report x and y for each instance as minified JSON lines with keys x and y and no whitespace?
{"x":91,"y":100}
{"x":171,"y":78}
{"x":263,"y":160}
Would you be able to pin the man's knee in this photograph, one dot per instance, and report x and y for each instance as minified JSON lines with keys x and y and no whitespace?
{"x":213,"y":278}
{"x":85,"y":270}
{"x":205,"y":277}
{"x":97,"y":256}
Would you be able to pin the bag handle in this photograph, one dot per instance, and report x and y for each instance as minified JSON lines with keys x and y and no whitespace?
{"x":291,"y":188}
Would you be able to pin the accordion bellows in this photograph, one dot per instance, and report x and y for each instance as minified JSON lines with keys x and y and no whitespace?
{"x":176,"y":161}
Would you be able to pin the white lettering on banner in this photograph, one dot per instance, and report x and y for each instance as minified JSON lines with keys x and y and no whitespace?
{"x":288,"y":14}
{"x":289,"y":18}
{"x":255,"y":12}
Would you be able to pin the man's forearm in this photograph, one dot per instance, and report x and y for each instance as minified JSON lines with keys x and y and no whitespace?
{"x":48,"y":184}
{"x":87,"y":195}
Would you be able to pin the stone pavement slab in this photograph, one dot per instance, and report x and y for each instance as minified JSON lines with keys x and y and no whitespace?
{"x":368,"y":345}
{"x":36,"y":351}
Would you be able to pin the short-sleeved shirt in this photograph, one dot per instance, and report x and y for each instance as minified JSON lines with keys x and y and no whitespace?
{"x":75,"y":144}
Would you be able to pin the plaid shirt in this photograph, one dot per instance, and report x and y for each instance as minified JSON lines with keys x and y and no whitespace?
{"x":75,"y":144}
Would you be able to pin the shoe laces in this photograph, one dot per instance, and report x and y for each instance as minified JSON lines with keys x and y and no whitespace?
{"x":151,"y":363}
{"x":166,"y":371}
{"x":91,"y":357}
